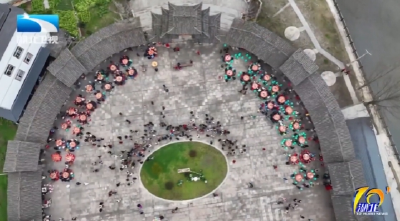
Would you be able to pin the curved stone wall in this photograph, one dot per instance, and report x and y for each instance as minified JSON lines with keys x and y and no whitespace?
{"x":39,"y":115}
{"x":108,"y":41}
{"x":325,"y":113}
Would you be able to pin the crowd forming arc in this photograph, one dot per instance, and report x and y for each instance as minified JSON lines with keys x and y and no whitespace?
{"x":24,"y":188}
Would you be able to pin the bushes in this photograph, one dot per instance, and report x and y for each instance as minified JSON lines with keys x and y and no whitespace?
{"x":87,"y":14}
{"x":84,"y":5}
{"x":53,"y":3}
{"x":84,"y":17}
{"x":68,"y":22}
{"x":98,"y":9}
{"x":37,"y":7}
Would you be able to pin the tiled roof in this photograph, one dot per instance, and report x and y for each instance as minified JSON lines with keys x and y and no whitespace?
{"x":66,"y":68}
{"x":205,"y":20}
{"x":21,"y":156}
{"x":263,"y":43}
{"x":184,"y":19}
{"x":336,"y":145}
{"x":329,"y":122}
{"x":108,"y":41}
{"x":346,"y":177}
{"x":215,"y":25}
{"x":39,"y":115}
{"x":156,"y":24}
{"x":56,"y":49}
{"x":164,"y":25}
{"x":298,"y":67}
{"x":343,"y":209}
{"x":8,"y":24}
{"x":24,"y":196}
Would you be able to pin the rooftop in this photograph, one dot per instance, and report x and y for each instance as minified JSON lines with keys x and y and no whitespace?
{"x":8,"y":24}
{"x":184,"y":19}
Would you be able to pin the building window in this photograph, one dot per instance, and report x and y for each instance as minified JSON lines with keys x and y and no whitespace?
{"x":9,"y":70}
{"x":28,"y":58}
{"x":18,"y":52}
{"x":20,"y":75}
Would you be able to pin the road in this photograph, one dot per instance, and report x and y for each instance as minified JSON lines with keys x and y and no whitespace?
{"x":374,"y":26}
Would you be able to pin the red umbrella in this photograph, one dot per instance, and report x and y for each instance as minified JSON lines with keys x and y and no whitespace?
{"x":70,"y":157}
{"x":294,"y":159}
{"x":298,"y":177}
{"x":65,"y":175}
{"x":305,"y":156}
{"x":56,"y":157}
{"x":55,"y":175}
{"x":76,"y":130}
{"x":310,"y":175}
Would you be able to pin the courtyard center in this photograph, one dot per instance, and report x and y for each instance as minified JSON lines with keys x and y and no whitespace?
{"x":184,"y":170}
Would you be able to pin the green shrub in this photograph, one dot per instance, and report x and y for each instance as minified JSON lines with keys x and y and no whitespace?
{"x":84,"y":16}
{"x":37,"y":7}
{"x":84,"y":5}
{"x":53,"y":3}
{"x":68,"y":22}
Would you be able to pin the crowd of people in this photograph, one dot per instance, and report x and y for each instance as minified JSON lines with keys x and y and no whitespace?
{"x":278,"y":103}
{"x":283,"y":107}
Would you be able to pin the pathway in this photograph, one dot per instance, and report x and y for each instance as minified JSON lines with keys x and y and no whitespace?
{"x":326,"y":54}
{"x":46,"y":4}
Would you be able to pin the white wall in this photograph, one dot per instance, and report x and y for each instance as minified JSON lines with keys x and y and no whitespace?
{"x":9,"y":86}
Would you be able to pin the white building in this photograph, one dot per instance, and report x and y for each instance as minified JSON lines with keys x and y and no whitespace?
{"x":21,"y":64}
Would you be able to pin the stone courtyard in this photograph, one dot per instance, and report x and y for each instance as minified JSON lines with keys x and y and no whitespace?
{"x":200,"y":89}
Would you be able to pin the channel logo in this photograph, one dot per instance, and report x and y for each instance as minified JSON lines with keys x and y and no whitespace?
{"x":37,"y":23}
{"x":369,"y":208}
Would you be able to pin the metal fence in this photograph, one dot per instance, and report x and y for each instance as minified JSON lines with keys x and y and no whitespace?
{"x":360,"y":67}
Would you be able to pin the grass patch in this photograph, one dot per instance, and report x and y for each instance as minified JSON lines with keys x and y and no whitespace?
{"x":65,"y":5}
{"x":270,"y":23}
{"x":91,"y":15}
{"x":100,"y":17}
{"x":322,"y":22}
{"x":68,"y":22}
{"x":7,"y":132}
{"x":160,"y":175}
{"x":3,"y":197}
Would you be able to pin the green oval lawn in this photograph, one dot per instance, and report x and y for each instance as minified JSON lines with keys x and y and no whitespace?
{"x":164,"y":165}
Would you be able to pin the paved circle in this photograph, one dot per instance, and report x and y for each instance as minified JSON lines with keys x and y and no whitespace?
{"x":292,"y":33}
{"x":329,"y":77}
{"x":311,"y":54}
{"x":201,"y":89}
